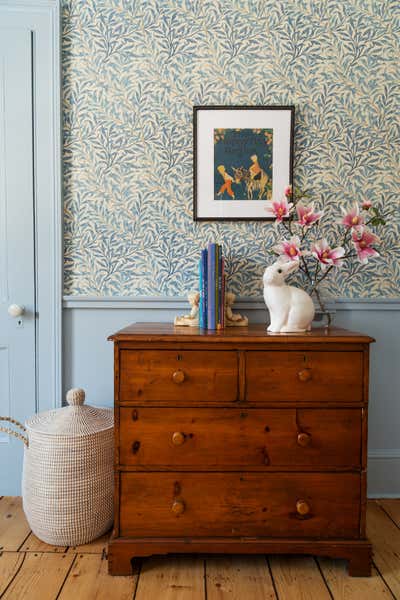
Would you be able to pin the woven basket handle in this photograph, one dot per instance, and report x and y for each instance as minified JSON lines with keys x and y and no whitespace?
{"x":12,"y":432}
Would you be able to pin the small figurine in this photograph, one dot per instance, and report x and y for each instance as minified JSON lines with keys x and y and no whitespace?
{"x":232,"y":319}
{"x":290,"y":308}
{"x":191,"y":320}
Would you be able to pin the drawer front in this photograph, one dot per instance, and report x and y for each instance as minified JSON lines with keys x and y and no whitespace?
{"x":166,"y":376}
{"x":295,"y":505}
{"x":304,"y":376}
{"x":204,"y":438}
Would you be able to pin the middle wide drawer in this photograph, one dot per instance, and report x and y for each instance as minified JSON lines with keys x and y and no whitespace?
{"x":229,"y":438}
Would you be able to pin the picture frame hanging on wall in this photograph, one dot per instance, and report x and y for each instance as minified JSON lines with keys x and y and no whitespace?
{"x":242,"y":160}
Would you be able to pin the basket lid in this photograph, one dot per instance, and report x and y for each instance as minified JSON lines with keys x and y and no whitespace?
{"x":74,"y":420}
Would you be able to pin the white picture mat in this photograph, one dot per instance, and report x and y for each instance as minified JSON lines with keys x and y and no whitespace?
{"x":207,"y":120}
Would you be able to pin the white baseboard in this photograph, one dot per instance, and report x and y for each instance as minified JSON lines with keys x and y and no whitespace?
{"x":384,"y":473}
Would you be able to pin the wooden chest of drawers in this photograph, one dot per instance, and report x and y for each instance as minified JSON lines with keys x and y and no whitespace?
{"x":240,"y":441}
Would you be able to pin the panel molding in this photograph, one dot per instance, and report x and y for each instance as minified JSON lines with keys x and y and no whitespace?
{"x":3,"y":193}
{"x":49,"y":214}
{"x":4,"y":389}
{"x":244,"y":303}
{"x":42,"y":18}
{"x":23,"y":5}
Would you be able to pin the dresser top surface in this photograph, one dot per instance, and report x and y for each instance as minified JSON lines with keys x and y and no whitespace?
{"x":253,"y":333}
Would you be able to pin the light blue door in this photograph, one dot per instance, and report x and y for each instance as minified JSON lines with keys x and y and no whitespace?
{"x":17,"y":247}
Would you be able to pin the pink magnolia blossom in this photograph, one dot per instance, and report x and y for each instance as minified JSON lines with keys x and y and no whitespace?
{"x":288,"y":191}
{"x":326,"y":255}
{"x":353,"y":217}
{"x":279,"y":210}
{"x":306,"y":214}
{"x":366,"y":205}
{"x":362,"y":240}
{"x":289,"y":249}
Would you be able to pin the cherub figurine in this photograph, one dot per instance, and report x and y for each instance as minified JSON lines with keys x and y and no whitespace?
{"x":232,"y":319}
{"x":191,"y":320}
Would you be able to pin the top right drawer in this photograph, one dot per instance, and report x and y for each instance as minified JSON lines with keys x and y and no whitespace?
{"x":295,"y":376}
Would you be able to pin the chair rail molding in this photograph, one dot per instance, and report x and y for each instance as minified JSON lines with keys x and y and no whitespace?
{"x":249,"y":303}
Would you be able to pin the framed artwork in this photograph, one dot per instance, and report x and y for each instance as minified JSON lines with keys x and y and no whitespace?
{"x":243,"y":159}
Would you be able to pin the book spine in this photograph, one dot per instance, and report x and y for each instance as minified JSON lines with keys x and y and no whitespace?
{"x":201,"y":287}
{"x":220,"y":311}
{"x":217,"y":266}
{"x":211,"y":287}
{"x":223,"y":292}
{"x":203,"y":290}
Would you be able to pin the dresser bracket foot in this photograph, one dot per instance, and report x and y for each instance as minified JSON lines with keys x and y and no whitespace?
{"x":122,"y":562}
{"x":360,"y":563}
{"x":124,"y":554}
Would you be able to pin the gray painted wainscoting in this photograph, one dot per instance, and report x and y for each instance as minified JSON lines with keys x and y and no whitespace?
{"x":88,"y":361}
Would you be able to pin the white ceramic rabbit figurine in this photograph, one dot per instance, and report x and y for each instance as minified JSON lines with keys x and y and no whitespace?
{"x":291,"y":309}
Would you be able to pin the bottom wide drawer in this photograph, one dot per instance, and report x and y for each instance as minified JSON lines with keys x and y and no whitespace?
{"x":324,"y":505}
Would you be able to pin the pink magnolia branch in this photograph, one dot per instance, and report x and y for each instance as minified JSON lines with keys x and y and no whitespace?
{"x":320,"y":258}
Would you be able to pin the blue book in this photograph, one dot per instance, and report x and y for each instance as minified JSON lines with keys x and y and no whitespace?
{"x":211,"y":322}
{"x":203,"y":290}
{"x":204,"y":255}
{"x":201,"y":325}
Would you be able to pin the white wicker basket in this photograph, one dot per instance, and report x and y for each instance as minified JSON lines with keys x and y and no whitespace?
{"x":67,"y":482}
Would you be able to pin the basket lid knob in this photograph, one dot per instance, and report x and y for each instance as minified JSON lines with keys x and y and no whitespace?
{"x":76,"y":397}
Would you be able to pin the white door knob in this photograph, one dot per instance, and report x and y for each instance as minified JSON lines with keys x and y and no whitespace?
{"x":15,"y":310}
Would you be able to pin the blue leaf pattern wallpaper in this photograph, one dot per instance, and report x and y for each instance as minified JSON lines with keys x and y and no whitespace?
{"x":132,"y":71}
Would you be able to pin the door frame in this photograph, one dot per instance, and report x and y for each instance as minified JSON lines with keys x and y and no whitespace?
{"x":42,"y":18}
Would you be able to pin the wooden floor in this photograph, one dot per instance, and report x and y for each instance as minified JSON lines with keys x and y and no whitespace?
{"x":30,"y":569}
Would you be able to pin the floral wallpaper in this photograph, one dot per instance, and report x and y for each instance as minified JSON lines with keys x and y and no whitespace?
{"x":132,"y":71}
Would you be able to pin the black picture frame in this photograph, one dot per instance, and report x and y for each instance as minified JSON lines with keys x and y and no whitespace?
{"x":198,"y":215}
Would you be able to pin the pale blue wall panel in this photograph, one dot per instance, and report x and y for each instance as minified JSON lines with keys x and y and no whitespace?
{"x":88,"y":363}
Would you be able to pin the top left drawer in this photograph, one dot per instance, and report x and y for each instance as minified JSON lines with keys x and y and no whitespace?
{"x":183,"y":376}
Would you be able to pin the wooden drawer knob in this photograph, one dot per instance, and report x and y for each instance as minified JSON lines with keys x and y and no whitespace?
{"x":178,"y":507}
{"x":304,"y":375}
{"x":178,"y":376}
{"x":303,"y":439}
{"x":178,"y":438}
{"x":302,"y":507}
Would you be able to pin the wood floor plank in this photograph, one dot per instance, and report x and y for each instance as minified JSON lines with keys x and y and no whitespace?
{"x":40,"y":577}
{"x":392,"y":507}
{"x":344,"y":587}
{"x":14,"y":527}
{"x":172,"y":578}
{"x":89,"y":580}
{"x":10,"y":562}
{"x":98,"y":546}
{"x":239,"y":577}
{"x":33,"y":544}
{"x":385,"y":539}
{"x":298,"y":578}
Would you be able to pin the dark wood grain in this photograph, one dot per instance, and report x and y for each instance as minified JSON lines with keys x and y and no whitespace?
{"x":153,"y":332}
{"x":178,"y":375}
{"x":240,"y":504}
{"x":357,"y":552}
{"x":228,"y":438}
{"x":315,"y":376}
{"x":240,"y":441}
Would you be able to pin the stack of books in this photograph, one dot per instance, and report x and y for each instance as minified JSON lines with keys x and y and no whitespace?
{"x":212,"y":288}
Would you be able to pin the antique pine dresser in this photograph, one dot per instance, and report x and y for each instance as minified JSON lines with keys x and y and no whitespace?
{"x":240,"y":441}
